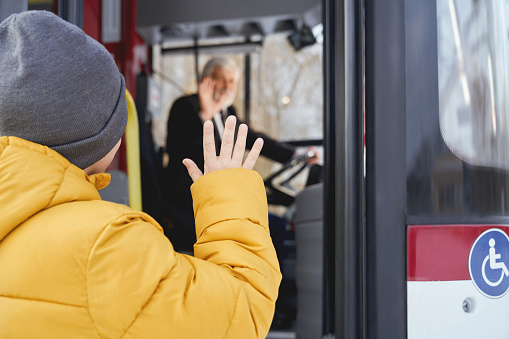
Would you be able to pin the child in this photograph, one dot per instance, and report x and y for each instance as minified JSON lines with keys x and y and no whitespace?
{"x":74,"y":266}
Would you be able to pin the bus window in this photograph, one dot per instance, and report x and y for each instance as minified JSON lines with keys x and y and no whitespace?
{"x":473,"y":80}
{"x":286,"y":89}
{"x":457,"y":110}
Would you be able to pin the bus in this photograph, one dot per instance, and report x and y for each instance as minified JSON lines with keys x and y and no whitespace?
{"x":405,"y":234}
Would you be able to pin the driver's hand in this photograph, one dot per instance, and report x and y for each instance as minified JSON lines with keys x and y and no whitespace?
{"x":208,"y":104}
{"x":225,"y":159}
{"x":313,"y":160}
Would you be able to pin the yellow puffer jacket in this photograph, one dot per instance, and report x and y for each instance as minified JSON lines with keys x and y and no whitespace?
{"x":74,"y":266}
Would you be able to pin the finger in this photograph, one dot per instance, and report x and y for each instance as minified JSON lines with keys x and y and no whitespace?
{"x":203,"y":84}
{"x":228,"y":136}
{"x":205,"y":80}
{"x":202,"y":93}
{"x":253,"y":154}
{"x":209,"y":147}
{"x":210,"y":84}
{"x":240,"y":146}
{"x":206,"y":85}
{"x":192,"y":169}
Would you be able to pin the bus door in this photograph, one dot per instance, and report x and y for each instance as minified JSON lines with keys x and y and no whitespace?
{"x":456,"y":168}
{"x":420,"y":244}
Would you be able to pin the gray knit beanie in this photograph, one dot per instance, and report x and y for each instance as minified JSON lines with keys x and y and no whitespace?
{"x":59,"y":88}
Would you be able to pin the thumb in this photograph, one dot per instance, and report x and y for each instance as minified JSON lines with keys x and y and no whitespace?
{"x":192,"y":169}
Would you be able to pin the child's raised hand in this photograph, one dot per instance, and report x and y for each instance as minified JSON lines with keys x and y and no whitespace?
{"x":226,"y":158}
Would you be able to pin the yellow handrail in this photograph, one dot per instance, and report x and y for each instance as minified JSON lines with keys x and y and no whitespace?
{"x":132,"y":145}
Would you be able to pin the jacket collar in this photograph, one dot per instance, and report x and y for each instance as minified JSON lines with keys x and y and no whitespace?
{"x":34,"y":177}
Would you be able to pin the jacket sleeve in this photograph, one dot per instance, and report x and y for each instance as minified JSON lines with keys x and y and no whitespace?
{"x":232,"y":231}
{"x":139,"y":287}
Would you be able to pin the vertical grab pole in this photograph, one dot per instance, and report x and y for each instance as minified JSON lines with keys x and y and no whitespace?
{"x":132,"y":144}
{"x":71,"y":11}
{"x":196,"y":62}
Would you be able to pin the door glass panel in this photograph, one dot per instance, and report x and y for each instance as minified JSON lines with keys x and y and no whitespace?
{"x":473,"y":80}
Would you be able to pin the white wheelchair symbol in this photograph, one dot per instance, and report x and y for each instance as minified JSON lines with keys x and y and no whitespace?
{"x":492,"y":257}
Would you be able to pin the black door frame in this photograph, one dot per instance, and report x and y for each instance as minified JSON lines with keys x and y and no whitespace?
{"x":365,"y":233}
{"x":385,"y":169}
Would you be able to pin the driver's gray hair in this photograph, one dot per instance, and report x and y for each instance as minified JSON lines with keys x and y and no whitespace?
{"x":211,"y":65}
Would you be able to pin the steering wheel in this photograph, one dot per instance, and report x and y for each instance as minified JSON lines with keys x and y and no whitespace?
{"x":281,"y":193}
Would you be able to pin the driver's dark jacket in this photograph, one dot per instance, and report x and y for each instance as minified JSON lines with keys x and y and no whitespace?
{"x":185,"y":140}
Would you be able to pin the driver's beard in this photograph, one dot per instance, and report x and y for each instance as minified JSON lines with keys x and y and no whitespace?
{"x":226,"y":102}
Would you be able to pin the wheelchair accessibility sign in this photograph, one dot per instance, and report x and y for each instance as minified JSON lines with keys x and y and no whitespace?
{"x":488,"y":263}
